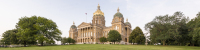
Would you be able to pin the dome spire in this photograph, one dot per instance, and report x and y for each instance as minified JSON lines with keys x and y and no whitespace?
{"x":73,"y":23}
{"x":127,"y":20}
{"x":98,"y":11}
{"x":118,"y":9}
{"x":98,"y":7}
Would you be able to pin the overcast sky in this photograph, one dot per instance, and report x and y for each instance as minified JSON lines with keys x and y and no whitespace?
{"x":64,"y":12}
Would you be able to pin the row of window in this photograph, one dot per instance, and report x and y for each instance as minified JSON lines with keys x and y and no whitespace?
{"x":86,"y":34}
{"x":90,"y":34}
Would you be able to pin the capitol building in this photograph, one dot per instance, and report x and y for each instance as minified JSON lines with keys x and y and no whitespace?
{"x":90,"y":33}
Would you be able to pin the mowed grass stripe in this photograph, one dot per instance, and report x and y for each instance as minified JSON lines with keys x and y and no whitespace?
{"x":104,"y":47}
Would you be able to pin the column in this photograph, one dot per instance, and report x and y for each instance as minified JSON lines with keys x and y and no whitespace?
{"x":127,"y":35}
{"x":84,"y":32}
{"x":81,"y":35}
{"x":83,"y":40}
{"x":87,"y":31}
{"x":88,"y":40}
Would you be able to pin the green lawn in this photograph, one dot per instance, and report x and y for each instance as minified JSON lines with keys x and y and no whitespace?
{"x":104,"y":47}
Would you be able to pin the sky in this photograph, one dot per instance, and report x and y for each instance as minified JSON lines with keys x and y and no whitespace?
{"x":64,"y":12}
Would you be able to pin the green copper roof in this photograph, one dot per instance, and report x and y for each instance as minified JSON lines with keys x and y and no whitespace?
{"x":73,"y":26}
{"x":127,"y":23}
{"x":118,"y":14}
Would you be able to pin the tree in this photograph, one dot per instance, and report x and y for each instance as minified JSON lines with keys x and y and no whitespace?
{"x":73,"y":41}
{"x":182,"y":29}
{"x":165,"y":27}
{"x":51,"y":41}
{"x":47,"y":30}
{"x":10,"y":37}
{"x":103,"y":39}
{"x":64,"y":40}
{"x":114,"y":36}
{"x":137,"y":36}
{"x":194,"y":28}
{"x":32,"y":29}
{"x":26,"y":30}
{"x":70,"y":40}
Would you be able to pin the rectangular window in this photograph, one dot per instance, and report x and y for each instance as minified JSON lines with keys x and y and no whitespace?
{"x":91,"y":33}
{"x":94,"y":34}
{"x":88,"y":33}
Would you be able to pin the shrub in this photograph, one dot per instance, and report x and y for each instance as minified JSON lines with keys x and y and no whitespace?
{"x":96,"y":43}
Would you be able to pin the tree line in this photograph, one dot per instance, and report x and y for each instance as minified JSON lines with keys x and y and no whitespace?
{"x":176,"y":29}
{"x":68,"y":40}
{"x":136,"y":36}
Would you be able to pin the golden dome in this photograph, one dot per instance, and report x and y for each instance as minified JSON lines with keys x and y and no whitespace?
{"x":98,"y":12}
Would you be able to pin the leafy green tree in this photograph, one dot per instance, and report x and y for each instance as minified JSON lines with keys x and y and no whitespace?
{"x":10,"y":37}
{"x":183,"y":39}
{"x":114,"y":36}
{"x":47,"y":30}
{"x":26,"y":30}
{"x":137,"y":36}
{"x":50,"y":41}
{"x":64,"y":40}
{"x":70,"y":40}
{"x":194,"y":28}
{"x":165,"y":27}
{"x":73,"y":41}
{"x":36,"y":28}
{"x":103,"y":39}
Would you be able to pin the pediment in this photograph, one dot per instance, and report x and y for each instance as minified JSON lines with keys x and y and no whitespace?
{"x":83,"y":24}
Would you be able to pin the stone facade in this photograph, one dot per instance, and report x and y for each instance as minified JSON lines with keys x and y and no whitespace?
{"x":91,"y":32}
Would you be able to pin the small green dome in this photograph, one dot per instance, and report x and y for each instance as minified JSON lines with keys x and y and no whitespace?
{"x":118,"y":14}
{"x":127,"y":23}
{"x":73,"y":26}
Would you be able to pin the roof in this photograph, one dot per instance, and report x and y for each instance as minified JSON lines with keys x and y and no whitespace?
{"x":73,"y":26}
{"x":118,"y":14}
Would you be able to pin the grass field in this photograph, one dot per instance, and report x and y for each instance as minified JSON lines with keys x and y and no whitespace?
{"x":104,"y":47}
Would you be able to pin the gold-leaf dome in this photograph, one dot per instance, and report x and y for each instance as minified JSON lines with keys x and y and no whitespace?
{"x":98,"y":12}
